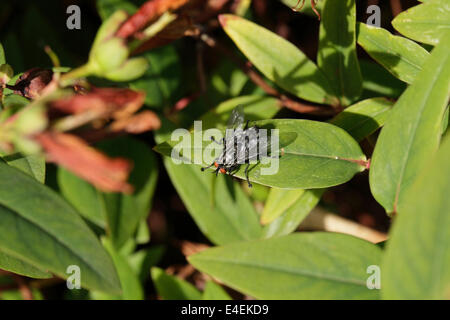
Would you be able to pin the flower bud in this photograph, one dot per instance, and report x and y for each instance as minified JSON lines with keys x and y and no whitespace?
{"x":32,"y":82}
{"x":109,"y":55}
{"x":130,"y":70}
{"x":6,"y":73}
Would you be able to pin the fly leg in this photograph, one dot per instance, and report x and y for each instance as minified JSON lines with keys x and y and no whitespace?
{"x":246,"y":175}
{"x":204,"y":168}
{"x":219,"y":143}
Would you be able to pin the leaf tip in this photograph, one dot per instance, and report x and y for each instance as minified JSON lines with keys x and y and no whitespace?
{"x":223,"y":19}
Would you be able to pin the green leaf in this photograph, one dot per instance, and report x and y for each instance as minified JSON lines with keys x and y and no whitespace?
{"x":10,"y":263}
{"x":220,"y":208}
{"x":400,"y":56}
{"x":412,"y":131}
{"x":278,"y":201}
{"x":322,"y":154}
{"x":2,"y":55}
{"x":363,"y":118}
{"x":292,"y":217}
{"x":162,"y":78}
{"x":417,"y":260}
{"x":226,"y":81}
{"x":83,"y":196}
{"x":119,"y":213}
{"x":378,"y":82}
{"x":254,"y":107}
{"x":142,"y":260}
{"x":40,"y":228}
{"x":143,"y":232}
{"x":298,"y":266}
{"x":14,"y":101}
{"x":131,"y":286}
{"x":172,"y":288}
{"x":425,"y":23}
{"x":33,"y":165}
{"x":337,"y":49}
{"x":445,"y":120}
{"x":213,"y":291}
{"x":279,"y":60}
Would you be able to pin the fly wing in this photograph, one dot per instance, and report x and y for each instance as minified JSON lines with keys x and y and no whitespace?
{"x":236,"y":119}
{"x":259,"y":145}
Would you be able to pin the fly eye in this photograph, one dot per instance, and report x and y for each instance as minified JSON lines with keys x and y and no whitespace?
{"x":222,"y":170}
{"x":216,"y":164}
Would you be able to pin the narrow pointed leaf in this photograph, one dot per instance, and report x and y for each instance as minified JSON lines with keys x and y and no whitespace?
{"x":363,"y":118}
{"x":279,"y":60}
{"x":213,"y":291}
{"x":172,"y":288}
{"x":337,"y":49}
{"x":427,"y":22}
{"x":10,"y":263}
{"x":298,"y":266}
{"x":413,"y":130}
{"x":278,"y":201}
{"x":40,"y":228}
{"x":2,"y":55}
{"x":290,"y":219}
{"x":400,"y":56}
{"x":129,"y":280}
{"x":417,"y":260}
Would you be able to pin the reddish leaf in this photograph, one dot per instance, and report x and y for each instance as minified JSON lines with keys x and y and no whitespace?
{"x":72,"y":153}
{"x":111,"y":101}
{"x":179,"y":28}
{"x":138,"y":123}
{"x":147,"y":13}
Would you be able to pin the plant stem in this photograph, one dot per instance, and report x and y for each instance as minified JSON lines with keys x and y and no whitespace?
{"x":80,"y":72}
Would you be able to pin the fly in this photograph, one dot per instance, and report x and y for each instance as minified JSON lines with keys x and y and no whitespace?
{"x":241,"y":145}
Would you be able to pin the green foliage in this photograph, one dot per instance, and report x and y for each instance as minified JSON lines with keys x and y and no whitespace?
{"x":336,"y":55}
{"x":364,"y":117}
{"x":173,"y":288}
{"x":291,"y":70}
{"x":401,"y":150}
{"x":119,"y":214}
{"x":38,"y":228}
{"x":427,"y":23}
{"x":297,"y":266}
{"x":401,"y":57}
{"x":380,"y":109}
{"x":220,"y":208}
{"x":417,"y":260}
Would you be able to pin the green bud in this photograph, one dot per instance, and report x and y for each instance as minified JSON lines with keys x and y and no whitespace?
{"x":26,"y":145}
{"x":6,"y":73}
{"x":130,"y":70}
{"x":31,"y":120}
{"x":109,"y":55}
{"x":109,"y":27}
